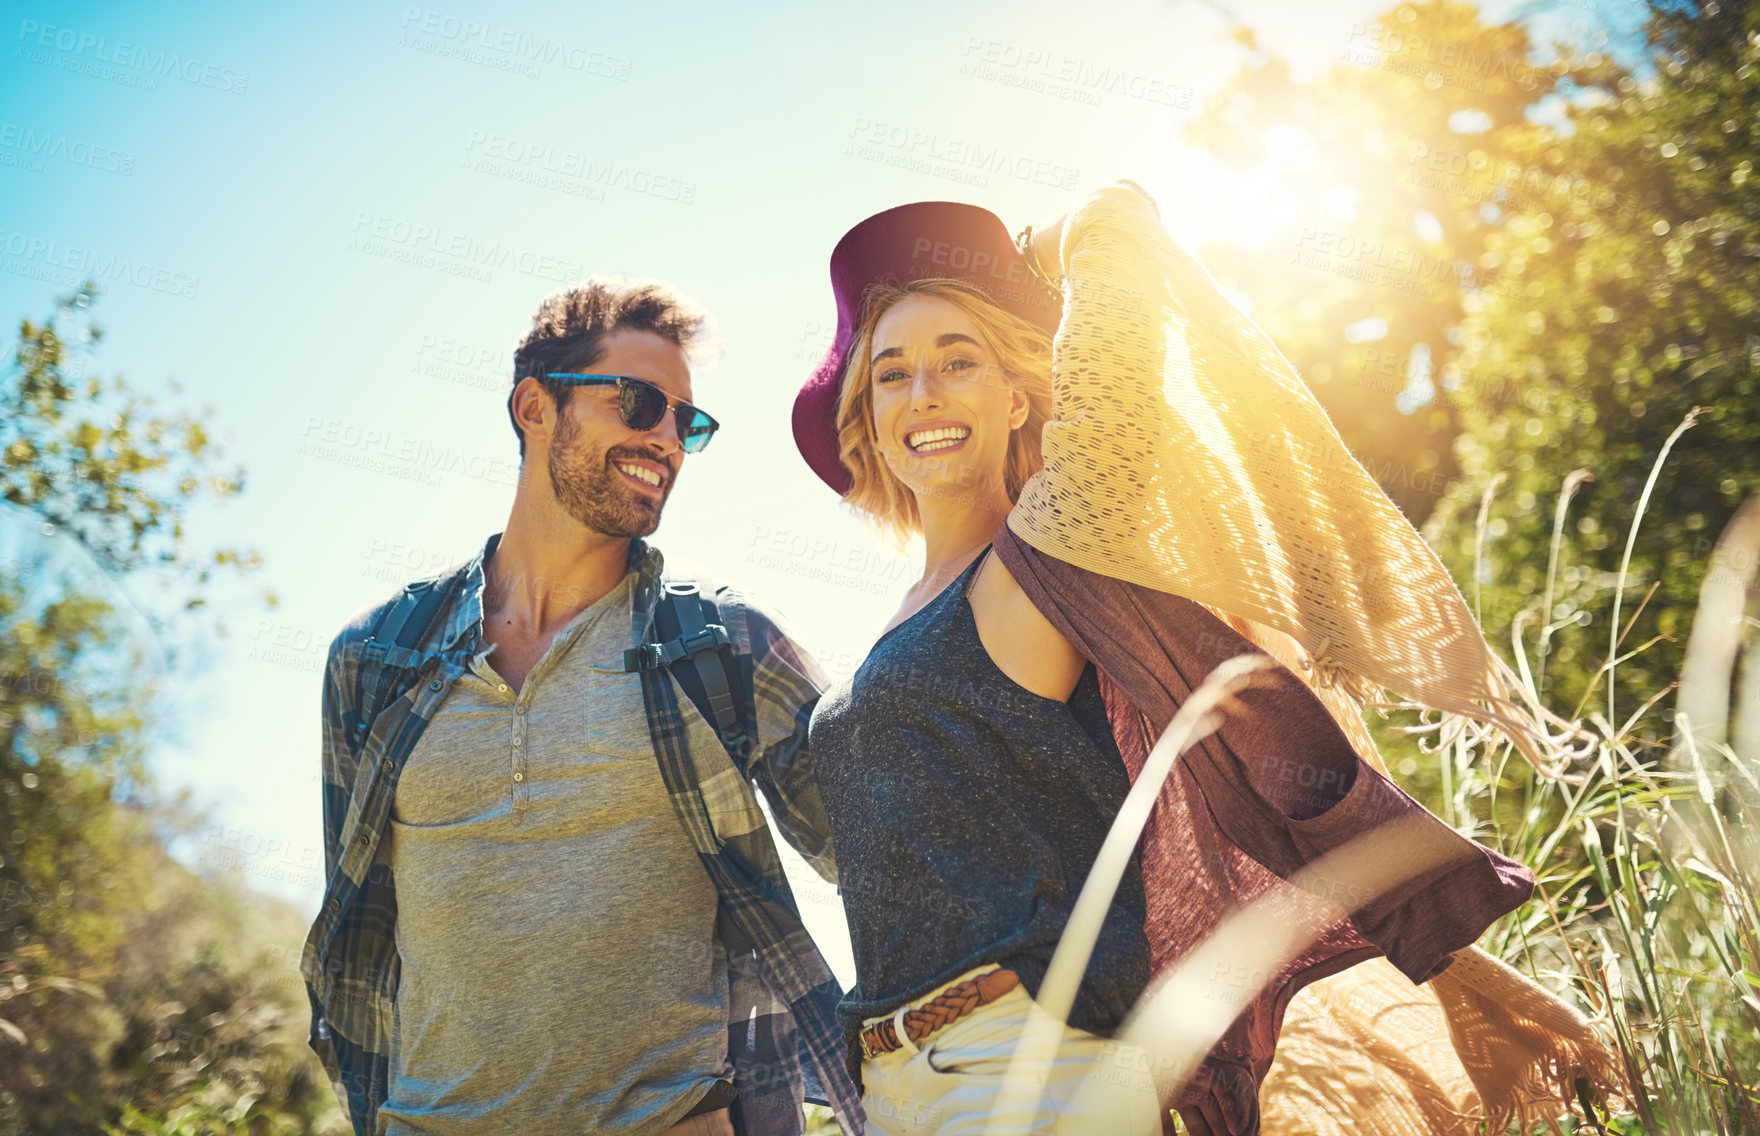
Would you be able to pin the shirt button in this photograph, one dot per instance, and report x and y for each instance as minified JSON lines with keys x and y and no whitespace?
{"x":519,"y":709}
{"x":519,"y":776}
{"x":502,"y":688}
{"x":519,"y":741}
{"x":435,"y":685}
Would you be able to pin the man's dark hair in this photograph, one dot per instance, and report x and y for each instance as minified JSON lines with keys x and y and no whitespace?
{"x":568,"y":333}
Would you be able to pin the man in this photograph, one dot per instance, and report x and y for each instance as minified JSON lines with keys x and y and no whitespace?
{"x":553,"y":902}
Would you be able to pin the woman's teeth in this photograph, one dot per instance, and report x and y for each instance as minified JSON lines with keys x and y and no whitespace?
{"x":642,"y":473}
{"x":928,"y":441}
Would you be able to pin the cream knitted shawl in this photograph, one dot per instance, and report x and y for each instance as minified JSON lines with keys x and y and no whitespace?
{"x":1186,"y":455}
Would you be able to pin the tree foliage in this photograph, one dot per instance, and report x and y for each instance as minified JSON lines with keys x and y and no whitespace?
{"x":1386,"y":164}
{"x":96,"y":458}
{"x":136,"y":994}
{"x":1501,"y":263}
{"x":1615,"y":313}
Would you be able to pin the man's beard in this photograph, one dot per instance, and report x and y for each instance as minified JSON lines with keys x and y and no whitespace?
{"x":594,"y":493}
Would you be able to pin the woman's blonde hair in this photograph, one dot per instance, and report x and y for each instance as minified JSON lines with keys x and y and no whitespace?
{"x":1022,"y":350}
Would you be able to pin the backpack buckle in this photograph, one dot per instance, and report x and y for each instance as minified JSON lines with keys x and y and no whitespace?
{"x":647,"y":657}
{"x":710,"y":637}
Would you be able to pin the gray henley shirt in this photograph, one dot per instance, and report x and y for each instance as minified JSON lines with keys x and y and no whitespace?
{"x":556,"y":928}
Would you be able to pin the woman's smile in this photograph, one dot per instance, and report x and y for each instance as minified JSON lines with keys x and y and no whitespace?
{"x":936,"y":439}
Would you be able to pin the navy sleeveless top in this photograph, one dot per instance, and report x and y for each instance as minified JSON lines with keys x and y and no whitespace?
{"x":967,"y":811}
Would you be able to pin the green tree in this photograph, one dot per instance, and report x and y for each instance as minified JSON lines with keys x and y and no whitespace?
{"x":1393,"y":164}
{"x":1614,"y":311}
{"x":135,"y":994}
{"x":1471,"y":292}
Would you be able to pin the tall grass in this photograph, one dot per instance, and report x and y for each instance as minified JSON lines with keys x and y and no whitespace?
{"x":1645,"y":913}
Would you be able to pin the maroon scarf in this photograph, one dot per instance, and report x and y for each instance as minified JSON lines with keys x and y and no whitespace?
{"x":1274,"y":788}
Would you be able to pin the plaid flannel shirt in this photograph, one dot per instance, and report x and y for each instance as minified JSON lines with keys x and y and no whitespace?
{"x":783,"y":1040}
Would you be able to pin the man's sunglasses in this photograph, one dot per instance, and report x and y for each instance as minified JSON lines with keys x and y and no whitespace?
{"x":643,"y":405}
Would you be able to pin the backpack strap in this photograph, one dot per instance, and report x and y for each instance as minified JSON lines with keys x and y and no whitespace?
{"x":391,"y":647}
{"x":692,"y":642}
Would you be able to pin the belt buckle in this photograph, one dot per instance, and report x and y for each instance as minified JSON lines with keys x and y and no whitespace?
{"x":869,"y":1053}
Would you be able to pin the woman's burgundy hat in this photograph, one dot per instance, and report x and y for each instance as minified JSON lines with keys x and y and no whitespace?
{"x":944,"y":239}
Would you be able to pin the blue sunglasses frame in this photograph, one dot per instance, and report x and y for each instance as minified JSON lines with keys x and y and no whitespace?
{"x":636,"y":399}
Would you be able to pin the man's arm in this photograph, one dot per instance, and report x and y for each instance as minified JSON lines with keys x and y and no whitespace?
{"x":785,"y":687}
{"x":340,"y":760}
{"x":337,"y":766}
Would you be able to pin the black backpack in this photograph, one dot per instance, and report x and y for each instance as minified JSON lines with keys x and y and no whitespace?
{"x":688,"y":637}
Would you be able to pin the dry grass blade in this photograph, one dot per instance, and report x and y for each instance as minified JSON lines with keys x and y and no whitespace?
{"x":1719,"y":626}
{"x":1479,"y":544}
{"x":1572,"y":483}
{"x":1625,"y":560}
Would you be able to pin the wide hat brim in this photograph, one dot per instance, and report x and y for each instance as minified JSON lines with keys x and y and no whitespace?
{"x":940,"y":239}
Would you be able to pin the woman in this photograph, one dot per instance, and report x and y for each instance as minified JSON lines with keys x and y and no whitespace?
{"x":1001,"y":774}
{"x":1171,"y":493}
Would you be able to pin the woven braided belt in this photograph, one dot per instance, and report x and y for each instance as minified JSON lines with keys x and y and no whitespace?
{"x":941,"y":1011}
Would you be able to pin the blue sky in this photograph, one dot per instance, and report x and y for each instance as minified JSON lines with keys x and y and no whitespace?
{"x":336,"y":220}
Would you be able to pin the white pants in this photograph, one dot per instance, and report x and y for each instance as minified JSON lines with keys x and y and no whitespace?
{"x":951,"y":1086}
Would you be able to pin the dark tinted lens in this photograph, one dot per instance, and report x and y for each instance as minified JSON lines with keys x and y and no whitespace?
{"x":642,"y":404}
{"x":695,"y":429}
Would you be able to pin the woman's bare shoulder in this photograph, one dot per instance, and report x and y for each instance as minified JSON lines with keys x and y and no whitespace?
{"x":1022,"y":643}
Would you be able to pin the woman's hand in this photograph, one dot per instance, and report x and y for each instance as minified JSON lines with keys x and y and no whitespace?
{"x":1129,"y":184}
{"x":1046,"y":247}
